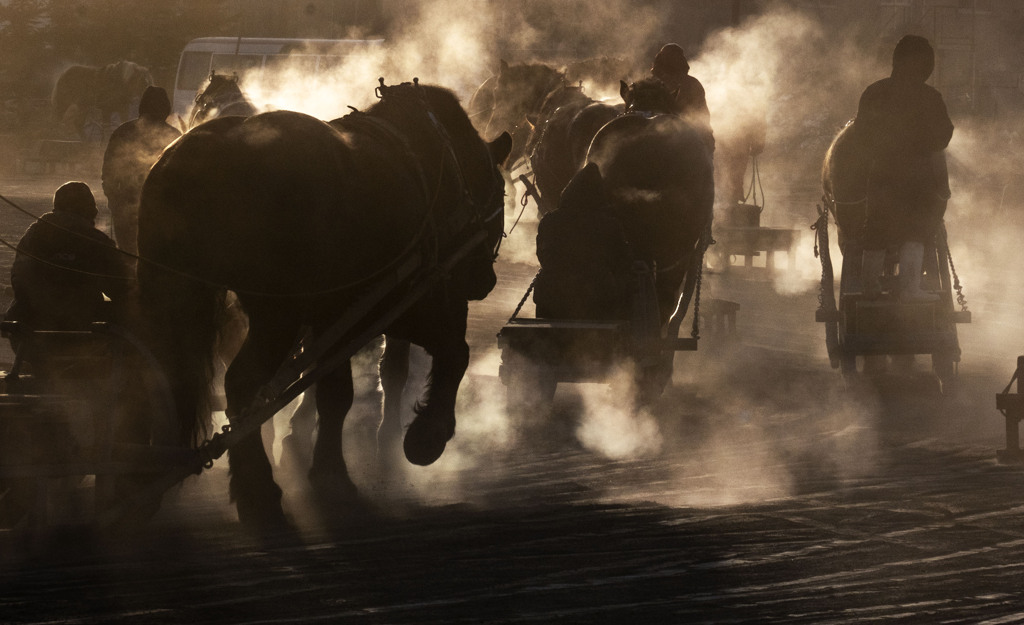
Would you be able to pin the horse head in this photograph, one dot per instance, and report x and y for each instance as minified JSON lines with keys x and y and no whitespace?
{"x":649,"y":97}
{"x":219,"y":95}
{"x":472,"y":186}
{"x":519,"y":93}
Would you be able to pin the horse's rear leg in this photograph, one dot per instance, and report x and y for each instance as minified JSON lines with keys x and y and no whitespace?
{"x":257,"y":497}
{"x":329,"y":475}
{"x":394,"y":373}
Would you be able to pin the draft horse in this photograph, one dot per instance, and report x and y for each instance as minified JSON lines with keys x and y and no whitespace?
{"x":564,"y":138}
{"x":113,"y":88}
{"x":844,"y":183}
{"x":658,"y":178}
{"x":221,"y":96}
{"x":300,"y":218}
{"x":515,"y":96}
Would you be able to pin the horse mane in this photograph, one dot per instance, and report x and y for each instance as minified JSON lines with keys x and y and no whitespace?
{"x":569,"y":94}
{"x":522,"y":87}
{"x":125,"y":69}
{"x":439,"y":101}
{"x":431,"y":118}
{"x":229,"y":80}
{"x":599,"y":73}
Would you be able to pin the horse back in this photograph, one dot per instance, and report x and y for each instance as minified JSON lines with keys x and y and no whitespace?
{"x":586,"y":124}
{"x":278,"y":202}
{"x":659,"y":177}
{"x":657,"y":152}
{"x":76,"y":85}
{"x":844,"y":181}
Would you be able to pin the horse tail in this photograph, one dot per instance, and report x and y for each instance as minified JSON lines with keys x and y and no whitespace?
{"x":184,"y":317}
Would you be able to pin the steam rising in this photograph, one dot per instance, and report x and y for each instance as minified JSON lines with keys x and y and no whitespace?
{"x":730,"y":436}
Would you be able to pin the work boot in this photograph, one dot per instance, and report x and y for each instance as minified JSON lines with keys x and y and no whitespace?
{"x":911,"y":258}
{"x":871,"y":266}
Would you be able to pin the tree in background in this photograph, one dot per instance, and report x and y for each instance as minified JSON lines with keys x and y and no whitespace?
{"x":23,"y":47}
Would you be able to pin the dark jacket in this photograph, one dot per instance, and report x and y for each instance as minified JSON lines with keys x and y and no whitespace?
{"x":135,"y":145}
{"x":584,"y":257}
{"x":900,"y":119}
{"x":692,"y":103}
{"x":63,"y":268}
{"x":903,"y":127}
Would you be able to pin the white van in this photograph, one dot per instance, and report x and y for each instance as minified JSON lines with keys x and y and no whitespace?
{"x":239,"y":54}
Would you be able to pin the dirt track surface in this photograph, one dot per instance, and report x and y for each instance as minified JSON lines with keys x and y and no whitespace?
{"x":760,"y":488}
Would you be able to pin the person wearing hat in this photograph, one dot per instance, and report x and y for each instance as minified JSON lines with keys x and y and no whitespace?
{"x":671,"y":67}
{"x":133,"y":148}
{"x":903,"y":126}
{"x":64,"y":266}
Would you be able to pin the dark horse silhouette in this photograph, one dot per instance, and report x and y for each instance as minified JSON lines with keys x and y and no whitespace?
{"x":515,"y":96}
{"x":844,"y":182}
{"x":219,"y":97}
{"x":113,"y":88}
{"x":659,"y":179}
{"x":654,"y":175}
{"x":300,"y":218}
{"x":563,"y":138}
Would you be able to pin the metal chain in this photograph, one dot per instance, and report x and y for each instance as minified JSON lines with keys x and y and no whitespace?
{"x":960,"y":299}
{"x":212,"y":449}
{"x":822,"y":225}
{"x":706,"y":241}
{"x":526,"y":295}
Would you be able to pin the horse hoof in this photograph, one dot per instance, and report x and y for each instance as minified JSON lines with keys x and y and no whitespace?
{"x":425,"y":441}
{"x":262,"y":520}
{"x":334,"y":485}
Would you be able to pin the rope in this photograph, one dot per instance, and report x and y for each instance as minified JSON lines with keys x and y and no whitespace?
{"x":755,"y":178}
{"x":531,"y":191}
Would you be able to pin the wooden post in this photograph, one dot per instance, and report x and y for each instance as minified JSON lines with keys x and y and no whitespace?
{"x":1012,"y":406}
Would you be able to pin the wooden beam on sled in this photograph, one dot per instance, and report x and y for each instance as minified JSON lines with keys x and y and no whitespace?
{"x":303,"y":370}
{"x":750,"y":242}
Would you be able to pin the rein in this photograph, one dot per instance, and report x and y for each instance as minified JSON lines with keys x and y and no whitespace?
{"x":401,"y":94}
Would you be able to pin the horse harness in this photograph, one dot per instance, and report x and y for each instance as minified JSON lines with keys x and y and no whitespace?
{"x":477,"y":209}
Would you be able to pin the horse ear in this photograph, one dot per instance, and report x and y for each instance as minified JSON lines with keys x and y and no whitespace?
{"x":500,"y":148}
{"x":624,"y":91}
{"x":502,"y":66}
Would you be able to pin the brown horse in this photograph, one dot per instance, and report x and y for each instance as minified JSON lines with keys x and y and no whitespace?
{"x":218,"y":97}
{"x":644,"y":196}
{"x":300,"y":218}
{"x":562,"y":137}
{"x":517,"y":94}
{"x":844,"y":183}
{"x":659,"y":179}
{"x":113,"y":88}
